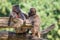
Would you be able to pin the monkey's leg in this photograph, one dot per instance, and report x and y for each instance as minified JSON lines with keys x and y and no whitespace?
{"x":18,"y":25}
{"x":35,"y":33}
{"x":38,"y":34}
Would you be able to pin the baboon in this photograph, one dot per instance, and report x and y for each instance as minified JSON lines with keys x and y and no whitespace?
{"x":16,"y":13}
{"x":35,"y":20}
{"x":17,"y":16}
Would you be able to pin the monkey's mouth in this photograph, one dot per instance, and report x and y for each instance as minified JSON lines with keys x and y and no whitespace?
{"x":32,"y":14}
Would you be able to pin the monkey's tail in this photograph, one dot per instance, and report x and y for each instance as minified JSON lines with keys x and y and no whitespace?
{"x":48,"y":29}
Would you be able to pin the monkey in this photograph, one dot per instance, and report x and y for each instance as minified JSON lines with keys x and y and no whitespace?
{"x":35,"y":21}
{"x":17,"y":16}
{"x":16,"y":13}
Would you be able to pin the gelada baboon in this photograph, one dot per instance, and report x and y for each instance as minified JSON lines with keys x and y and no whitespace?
{"x":35,"y":20}
{"x":17,"y":16}
{"x":16,"y":13}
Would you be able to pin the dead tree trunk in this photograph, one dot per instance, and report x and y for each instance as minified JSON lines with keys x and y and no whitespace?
{"x":4,"y":22}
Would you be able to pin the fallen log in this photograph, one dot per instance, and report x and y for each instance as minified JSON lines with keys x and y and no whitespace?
{"x":6,"y":35}
{"x":3,"y":21}
{"x":4,"y":24}
{"x":48,"y":29}
{"x":3,"y":35}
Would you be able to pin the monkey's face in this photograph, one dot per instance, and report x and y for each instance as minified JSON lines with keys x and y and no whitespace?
{"x":16,"y":9}
{"x":32,"y":11}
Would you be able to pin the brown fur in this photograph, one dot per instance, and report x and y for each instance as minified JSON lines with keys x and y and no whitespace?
{"x":16,"y":17}
{"x":18,"y":21}
{"x":35,"y":20}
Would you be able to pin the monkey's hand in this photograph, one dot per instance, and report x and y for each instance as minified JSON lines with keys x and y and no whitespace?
{"x":28,"y":23}
{"x":18,"y":23}
{"x":15,"y":20}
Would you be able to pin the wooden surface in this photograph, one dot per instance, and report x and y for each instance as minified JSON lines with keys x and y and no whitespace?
{"x":3,"y":21}
{"x":5,"y":35}
{"x":13,"y":36}
{"x":4,"y":24}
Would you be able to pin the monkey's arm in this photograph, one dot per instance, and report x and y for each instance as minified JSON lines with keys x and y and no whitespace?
{"x":26,"y":16}
{"x":9,"y":21}
{"x":37,"y":22}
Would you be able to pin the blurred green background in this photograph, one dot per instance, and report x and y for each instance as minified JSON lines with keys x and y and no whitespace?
{"x":48,"y":10}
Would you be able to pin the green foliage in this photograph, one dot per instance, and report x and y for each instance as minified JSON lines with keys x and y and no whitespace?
{"x":48,"y":10}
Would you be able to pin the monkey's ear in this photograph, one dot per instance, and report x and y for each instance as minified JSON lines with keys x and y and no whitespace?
{"x":48,"y":29}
